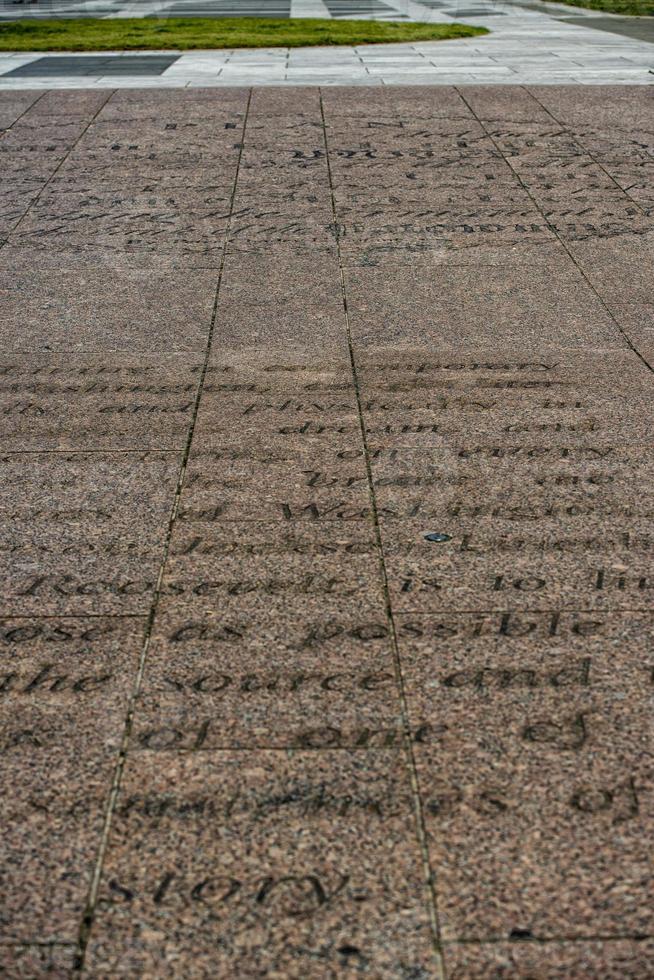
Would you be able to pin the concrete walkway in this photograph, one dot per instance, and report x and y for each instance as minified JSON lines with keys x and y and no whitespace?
{"x":327,"y":501}
{"x":527,"y":47}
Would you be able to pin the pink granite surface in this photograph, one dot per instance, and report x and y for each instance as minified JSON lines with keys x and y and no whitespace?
{"x":257,"y":346}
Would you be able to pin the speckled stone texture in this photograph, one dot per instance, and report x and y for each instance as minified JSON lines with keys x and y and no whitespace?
{"x":326,"y":530}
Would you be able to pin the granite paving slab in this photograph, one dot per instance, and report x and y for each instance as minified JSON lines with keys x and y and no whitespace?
{"x":99,"y":310}
{"x":489,"y":368}
{"x":296,"y":371}
{"x":217,"y":488}
{"x":92,"y":181}
{"x":446,"y":485}
{"x":26,"y":960}
{"x":479,"y":659}
{"x":257,"y":580}
{"x":81,"y":533}
{"x":15,"y":106}
{"x":616,"y":543}
{"x":65,"y":689}
{"x":234,"y":708}
{"x":607,"y":268}
{"x":15,"y":199}
{"x":326,"y":524}
{"x":90,"y":401}
{"x":36,"y":158}
{"x":566,"y":426}
{"x":573,"y":105}
{"x":173,"y":224}
{"x":549,"y":304}
{"x":636,"y":178}
{"x":85,"y":104}
{"x":175,"y":108}
{"x":470,"y":581}
{"x":550,"y":960}
{"x":129,"y":138}
{"x":489,"y":104}
{"x":118,"y":251}
{"x":107,"y":147}
{"x":637,"y":322}
{"x":546,"y":796}
{"x":245,"y":329}
{"x":520,"y":401}
{"x":307,"y":865}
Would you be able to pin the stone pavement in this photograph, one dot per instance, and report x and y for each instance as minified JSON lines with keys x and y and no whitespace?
{"x":327,"y":493}
{"x":538,"y":44}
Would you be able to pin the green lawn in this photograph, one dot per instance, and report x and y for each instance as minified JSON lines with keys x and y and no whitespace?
{"x":635,"y":8}
{"x":198,"y":32}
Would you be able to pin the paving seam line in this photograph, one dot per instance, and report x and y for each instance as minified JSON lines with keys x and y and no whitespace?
{"x":617,"y":937}
{"x":421,"y":833}
{"x":25,"y":111}
{"x":561,"y":240}
{"x":598,"y":163}
{"x":88,"y":917}
{"x":59,"y":165}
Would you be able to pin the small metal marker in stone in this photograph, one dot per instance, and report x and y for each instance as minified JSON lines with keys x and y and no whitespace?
{"x":437,"y":536}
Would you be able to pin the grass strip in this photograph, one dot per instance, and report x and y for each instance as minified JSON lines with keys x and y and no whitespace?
{"x":631,"y":8}
{"x":187,"y":33}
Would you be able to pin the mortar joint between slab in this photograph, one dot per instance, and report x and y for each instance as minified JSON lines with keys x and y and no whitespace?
{"x":25,"y":111}
{"x":88,"y":917}
{"x":554,"y":231}
{"x":57,"y":168}
{"x":598,"y":163}
{"x":612,"y":937}
{"x":415,"y":789}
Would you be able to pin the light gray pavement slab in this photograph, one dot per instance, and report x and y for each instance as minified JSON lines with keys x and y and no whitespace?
{"x":535,"y":44}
